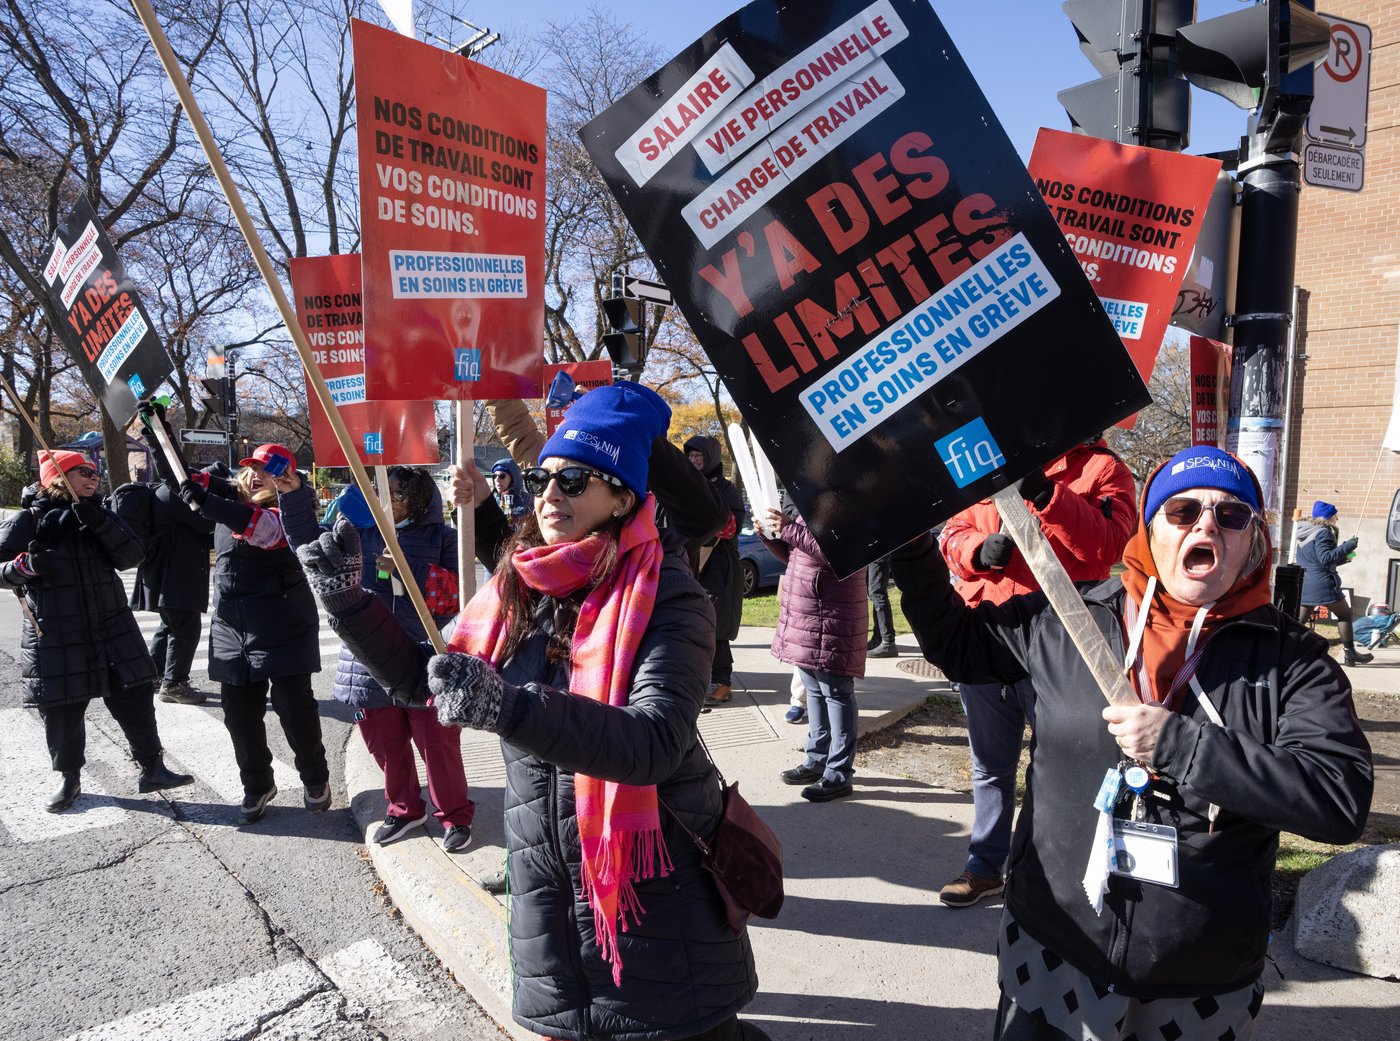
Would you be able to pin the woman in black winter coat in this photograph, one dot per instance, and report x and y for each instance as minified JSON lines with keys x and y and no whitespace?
{"x":587,"y":653}
{"x":80,"y":638}
{"x":1137,"y":895}
{"x":391,"y":731}
{"x":264,"y":630}
{"x":721,"y":572}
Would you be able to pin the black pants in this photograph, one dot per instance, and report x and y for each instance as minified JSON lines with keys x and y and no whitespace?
{"x":1338,"y":609}
{"x":295,"y":705}
{"x":65,"y":728}
{"x":722,"y":668}
{"x":877,"y":580}
{"x":174,"y":644}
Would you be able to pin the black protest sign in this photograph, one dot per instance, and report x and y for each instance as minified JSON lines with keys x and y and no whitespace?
{"x":864,"y":258}
{"x":102,"y":323}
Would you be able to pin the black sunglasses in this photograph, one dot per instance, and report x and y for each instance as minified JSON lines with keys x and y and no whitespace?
{"x":83,"y":471}
{"x":1184,"y":511}
{"x":572,"y":479}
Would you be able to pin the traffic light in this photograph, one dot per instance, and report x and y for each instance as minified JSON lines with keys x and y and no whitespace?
{"x":1259,"y":58}
{"x":1141,"y":99}
{"x":219,"y":399}
{"x":626,"y":342}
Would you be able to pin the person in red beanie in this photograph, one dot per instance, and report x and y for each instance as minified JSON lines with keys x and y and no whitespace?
{"x":81,"y":640}
{"x":264,"y":630}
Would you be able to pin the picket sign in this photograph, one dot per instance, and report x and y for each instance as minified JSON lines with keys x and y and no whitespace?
{"x":383,"y":520}
{"x":1064,"y":598}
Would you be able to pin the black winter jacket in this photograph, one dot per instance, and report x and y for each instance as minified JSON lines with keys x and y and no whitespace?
{"x":426,"y":543}
{"x":174,"y":574}
{"x":1291,"y":757}
{"x":722,"y":575}
{"x":265,"y":622}
{"x":683,"y":969}
{"x":89,"y":633}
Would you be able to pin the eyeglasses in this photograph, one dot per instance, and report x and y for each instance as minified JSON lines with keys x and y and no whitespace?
{"x":397,"y":496}
{"x":83,"y":471}
{"x":1184,"y":511}
{"x":572,"y":480}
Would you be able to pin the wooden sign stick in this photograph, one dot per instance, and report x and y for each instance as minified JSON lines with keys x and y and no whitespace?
{"x":1064,"y":598}
{"x":382,"y":520}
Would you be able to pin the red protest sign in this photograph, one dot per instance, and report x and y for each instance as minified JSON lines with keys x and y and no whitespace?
{"x":1131,"y":215}
{"x":328,"y":301}
{"x":452,"y":218}
{"x":1210,"y":390}
{"x":586,"y":376}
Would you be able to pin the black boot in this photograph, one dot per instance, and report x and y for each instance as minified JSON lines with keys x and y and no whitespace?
{"x":65,"y":795}
{"x":155,"y":776}
{"x":1350,"y":656}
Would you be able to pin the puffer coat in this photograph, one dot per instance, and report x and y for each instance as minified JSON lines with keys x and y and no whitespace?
{"x":1290,"y":756}
{"x":264,"y":622}
{"x":823,"y":621}
{"x":683,"y":969}
{"x":1320,"y":556}
{"x":426,"y":543}
{"x":174,"y":574}
{"x":89,"y":635}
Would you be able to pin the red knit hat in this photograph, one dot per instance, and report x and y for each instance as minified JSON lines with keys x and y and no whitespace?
{"x":53,"y":462}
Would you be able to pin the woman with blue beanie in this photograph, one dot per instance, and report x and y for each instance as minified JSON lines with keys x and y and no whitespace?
{"x":1319,"y":555}
{"x":589,"y":653}
{"x":1137,"y":894}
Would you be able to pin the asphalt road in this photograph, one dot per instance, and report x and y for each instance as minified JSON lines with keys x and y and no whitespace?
{"x":154,"y":917}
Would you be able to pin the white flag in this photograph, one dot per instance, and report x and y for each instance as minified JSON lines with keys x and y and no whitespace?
{"x":400,"y":12}
{"x":1391,"y":440}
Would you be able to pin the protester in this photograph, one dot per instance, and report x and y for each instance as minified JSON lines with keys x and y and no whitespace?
{"x":390,"y":731}
{"x":821,"y":630}
{"x":602,"y":639}
{"x":1319,"y":555}
{"x":1085,"y":505}
{"x":264,"y":630}
{"x":173,"y":581}
{"x":877,"y":579}
{"x":1246,"y":728}
{"x":509,"y":493}
{"x":80,"y":640}
{"x":720,"y":570}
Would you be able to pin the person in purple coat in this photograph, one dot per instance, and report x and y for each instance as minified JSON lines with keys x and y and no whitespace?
{"x":822,"y":623}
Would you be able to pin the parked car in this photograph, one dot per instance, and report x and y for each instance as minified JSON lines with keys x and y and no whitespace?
{"x":761,"y":569}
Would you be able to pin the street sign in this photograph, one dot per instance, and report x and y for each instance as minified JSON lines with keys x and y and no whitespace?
{"x":645,"y":289}
{"x":1327,"y":167}
{"x":1341,"y":88}
{"x":203,"y":437}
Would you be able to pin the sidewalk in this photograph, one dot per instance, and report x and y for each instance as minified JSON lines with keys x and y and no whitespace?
{"x":863,"y":950}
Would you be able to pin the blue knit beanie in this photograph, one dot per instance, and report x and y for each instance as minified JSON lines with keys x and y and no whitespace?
{"x":1323,"y":510}
{"x":611,"y":429}
{"x":1200,"y":467}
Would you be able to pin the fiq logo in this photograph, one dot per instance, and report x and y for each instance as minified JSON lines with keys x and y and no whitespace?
{"x":468,"y":366}
{"x":969,"y":453}
{"x":138,"y":388}
{"x":374,"y":443}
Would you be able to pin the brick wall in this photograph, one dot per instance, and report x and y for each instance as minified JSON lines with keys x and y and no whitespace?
{"x":1349,"y":263}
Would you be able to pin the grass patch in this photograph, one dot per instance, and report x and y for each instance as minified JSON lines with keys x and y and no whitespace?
{"x":763,"y":610}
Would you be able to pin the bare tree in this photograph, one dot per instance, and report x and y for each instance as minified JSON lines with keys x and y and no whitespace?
{"x":1164,"y":427}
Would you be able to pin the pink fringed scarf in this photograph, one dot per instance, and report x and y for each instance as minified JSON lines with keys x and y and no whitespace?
{"x":618,"y":824}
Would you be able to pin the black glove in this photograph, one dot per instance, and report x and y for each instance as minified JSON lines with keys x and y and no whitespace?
{"x":89,"y":514}
{"x":995,"y":552}
{"x":468,"y":692}
{"x":192,"y":493}
{"x":1349,"y":546}
{"x":37,"y":560}
{"x":334,"y":568}
{"x":1036,"y":489}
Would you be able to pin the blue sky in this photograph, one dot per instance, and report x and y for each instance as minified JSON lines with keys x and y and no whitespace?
{"x":1020,"y":51}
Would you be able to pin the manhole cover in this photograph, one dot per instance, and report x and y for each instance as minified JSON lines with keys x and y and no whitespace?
{"x":920,"y":668}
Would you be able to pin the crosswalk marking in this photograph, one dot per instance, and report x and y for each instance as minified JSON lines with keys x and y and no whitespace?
{"x":305,"y":998}
{"x":26,"y":777}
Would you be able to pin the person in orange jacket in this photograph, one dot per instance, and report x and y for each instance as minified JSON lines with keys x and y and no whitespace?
{"x":1086,"y":505}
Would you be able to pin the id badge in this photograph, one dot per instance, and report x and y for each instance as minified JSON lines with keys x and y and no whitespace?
{"x":1146,"y":852}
